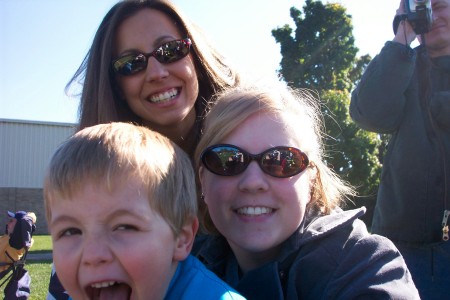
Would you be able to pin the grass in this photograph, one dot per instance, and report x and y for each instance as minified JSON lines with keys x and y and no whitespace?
{"x":40,"y":270}
{"x":42,"y":244}
{"x":40,"y":277}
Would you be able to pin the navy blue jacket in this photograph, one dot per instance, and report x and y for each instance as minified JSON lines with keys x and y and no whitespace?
{"x":333,"y":257}
{"x":408,"y":96}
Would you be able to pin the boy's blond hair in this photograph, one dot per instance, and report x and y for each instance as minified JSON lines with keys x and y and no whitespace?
{"x":107,"y":153}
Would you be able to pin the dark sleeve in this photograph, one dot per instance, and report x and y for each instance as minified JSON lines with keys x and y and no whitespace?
{"x":55,"y":289}
{"x":23,"y":231}
{"x":373,"y":269}
{"x":378,"y":102}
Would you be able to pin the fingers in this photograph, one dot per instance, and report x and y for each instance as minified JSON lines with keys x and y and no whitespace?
{"x":405,"y":33}
{"x":401,"y":8}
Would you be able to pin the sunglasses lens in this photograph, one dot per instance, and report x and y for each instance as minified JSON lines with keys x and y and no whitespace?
{"x":224,"y":160}
{"x":130,"y":64}
{"x":173,"y":51}
{"x":165,"y":54}
{"x":283,"y":161}
{"x":228,"y":160}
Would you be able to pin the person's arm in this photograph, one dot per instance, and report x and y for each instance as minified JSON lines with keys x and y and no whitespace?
{"x":21,"y":236}
{"x":378,"y":101}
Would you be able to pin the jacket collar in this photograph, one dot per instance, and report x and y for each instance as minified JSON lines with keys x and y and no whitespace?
{"x":442,"y":63}
{"x":267,"y":281}
{"x":318,"y":227}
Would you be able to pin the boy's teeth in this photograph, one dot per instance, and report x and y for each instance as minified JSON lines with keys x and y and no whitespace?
{"x":254,"y":211}
{"x":102,"y":284}
{"x":167,"y":95}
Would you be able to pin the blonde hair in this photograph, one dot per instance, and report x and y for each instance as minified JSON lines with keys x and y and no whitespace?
{"x":298,"y":110}
{"x":105,"y":153}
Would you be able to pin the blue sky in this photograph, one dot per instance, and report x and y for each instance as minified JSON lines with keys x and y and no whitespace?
{"x":42,"y":43}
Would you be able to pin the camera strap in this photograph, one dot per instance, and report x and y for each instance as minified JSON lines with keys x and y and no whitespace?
{"x":397,"y":20}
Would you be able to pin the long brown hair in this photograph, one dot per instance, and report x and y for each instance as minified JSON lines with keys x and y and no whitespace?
{"x":100,"y":101}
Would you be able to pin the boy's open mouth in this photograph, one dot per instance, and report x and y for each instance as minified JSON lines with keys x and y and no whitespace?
{"x":110,"y":290}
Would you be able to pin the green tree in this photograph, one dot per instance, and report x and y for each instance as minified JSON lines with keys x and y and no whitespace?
{"x":321,"y":55}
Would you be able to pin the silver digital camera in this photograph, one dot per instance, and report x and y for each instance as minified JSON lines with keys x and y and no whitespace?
{"x":419,"y":15}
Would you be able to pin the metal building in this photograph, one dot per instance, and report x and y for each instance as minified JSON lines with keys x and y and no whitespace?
{"x":25,"y":150}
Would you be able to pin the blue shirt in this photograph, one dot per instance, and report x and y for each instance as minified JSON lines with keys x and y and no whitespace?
{"x":192,"y":280}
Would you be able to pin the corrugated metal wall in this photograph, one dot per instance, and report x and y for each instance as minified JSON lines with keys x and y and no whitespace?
{"x":26,"y":148}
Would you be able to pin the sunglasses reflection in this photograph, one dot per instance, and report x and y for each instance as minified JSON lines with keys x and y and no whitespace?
{"x":277,"y":162}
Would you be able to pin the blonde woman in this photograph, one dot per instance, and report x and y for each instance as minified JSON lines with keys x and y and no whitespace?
{"x":272,"y":207}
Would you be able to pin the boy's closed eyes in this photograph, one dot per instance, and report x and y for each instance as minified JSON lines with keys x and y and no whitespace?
{"x":127,"y":222}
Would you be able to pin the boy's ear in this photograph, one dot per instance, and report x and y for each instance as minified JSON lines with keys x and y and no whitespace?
{"x":185,"y":240}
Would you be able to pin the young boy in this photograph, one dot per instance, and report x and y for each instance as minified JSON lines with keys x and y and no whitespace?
{"x":121,"y":209}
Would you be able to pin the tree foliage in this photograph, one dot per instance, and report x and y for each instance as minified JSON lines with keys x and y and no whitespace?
{"x":320,"y":54}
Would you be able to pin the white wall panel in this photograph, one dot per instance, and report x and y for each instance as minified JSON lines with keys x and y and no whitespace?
{"x":26,"y":148}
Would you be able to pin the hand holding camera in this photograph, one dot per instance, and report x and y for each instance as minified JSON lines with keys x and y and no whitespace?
{"x":418,"y":14}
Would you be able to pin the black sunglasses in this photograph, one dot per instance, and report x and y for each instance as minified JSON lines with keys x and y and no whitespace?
{"x":166,"y":53}
{"x":230,"y":160}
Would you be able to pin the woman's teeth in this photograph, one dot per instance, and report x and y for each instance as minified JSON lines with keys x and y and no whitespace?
{"x":166,"y":96}
{"x":254,"y":211}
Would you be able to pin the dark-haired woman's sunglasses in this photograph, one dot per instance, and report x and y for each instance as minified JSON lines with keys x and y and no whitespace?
{"x":230,"y":160}
{"x":166,"y":53}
